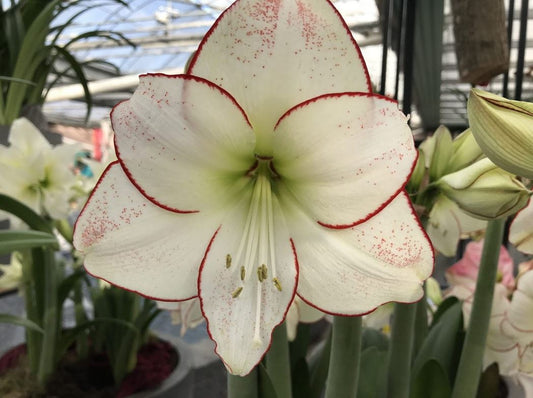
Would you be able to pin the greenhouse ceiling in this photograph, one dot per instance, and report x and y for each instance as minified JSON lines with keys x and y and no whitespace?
{"x":162,"y":35}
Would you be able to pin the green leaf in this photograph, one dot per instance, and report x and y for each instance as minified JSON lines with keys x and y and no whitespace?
{"x":266,"y":387}
{"x":69,"y":58}
{"x":372,"y":372}
{"x":301,"y":387}
{"x":431,"y":382}
{"x":489,"y":383}
{"x":443,"y":307}
{"x":18,"y":240}
{"x":14,"y":79}
{"x":67,"y":284}
{"x":20,"y":210}
{"x":19,"y":321}
{"x":443,"y":343}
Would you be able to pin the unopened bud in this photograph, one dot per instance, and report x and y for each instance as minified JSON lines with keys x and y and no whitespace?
{"x":504,"y":130}
{"x":485,"y":191}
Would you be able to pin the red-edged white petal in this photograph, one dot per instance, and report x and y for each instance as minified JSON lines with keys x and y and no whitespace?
{"x":241,"y":314}
{"x":182,"y":140}
{"x":272,"y":55}
{"x":521,"y":231}
{"x":352,"y":271}
{"x":132,"y":243}
{"x":344,"y":156}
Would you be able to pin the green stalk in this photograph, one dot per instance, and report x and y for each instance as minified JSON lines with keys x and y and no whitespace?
{"x":471,"y":363}
{"x":51,"y":316}
{"x":401,"y":350}
{"x":33,"y":338}
{"x":278,"y":362}
{"x":243,"y":387}
{"x":345,"y":357}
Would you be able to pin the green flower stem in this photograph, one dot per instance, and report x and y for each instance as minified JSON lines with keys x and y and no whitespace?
{"x":278,"y":362}
{"x":345,"y":357}
{"x":243,"y":387}
{"x":51,"y":317}
{"x":401,"y":350}
{"x":471,"y":363}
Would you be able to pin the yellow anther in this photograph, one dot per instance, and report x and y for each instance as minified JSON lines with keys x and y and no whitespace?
{"x":260,"y":275}
{"x":277,"y":283}
{"x":243,"y":273}
{"x":228,"y":260}
{"x":236,"y":293}
{"x":264,"y":271}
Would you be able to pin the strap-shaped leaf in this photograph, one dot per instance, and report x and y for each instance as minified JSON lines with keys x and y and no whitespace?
{"x":18,"y":240}
{"x":20,"y":210}
{"x":19,"y":321}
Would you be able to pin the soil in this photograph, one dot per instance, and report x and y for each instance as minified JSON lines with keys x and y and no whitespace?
{"x":89,"y":378}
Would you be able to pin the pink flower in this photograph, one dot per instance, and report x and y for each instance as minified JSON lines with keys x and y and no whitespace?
{"x":465,"y":271}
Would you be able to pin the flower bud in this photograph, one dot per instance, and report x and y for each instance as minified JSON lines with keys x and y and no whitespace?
{"x":485,"y":191}
{"x":504,"y":130}
{"x":465,"y":152}
{"x":437,"y":150}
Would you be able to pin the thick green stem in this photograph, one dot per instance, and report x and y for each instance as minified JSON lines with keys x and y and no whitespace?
{"x":345,"y":357}
{"x":243,"y":387}
{"x":471,"y":363}
{"x":51,"y":316}
{"x":401,"y":350}
{"x":278,"y":362}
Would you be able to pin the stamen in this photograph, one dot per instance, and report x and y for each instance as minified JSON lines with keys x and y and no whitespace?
{"x":236,"y":292}
{"x":260,"y":274}
{"x":243,"y":273}
{"x":228,"y":260}
{"x":277,"y":283}
{"x":264,"y":271}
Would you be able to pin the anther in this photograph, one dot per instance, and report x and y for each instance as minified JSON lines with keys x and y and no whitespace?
{"x":264,"y":271}
{"x":236,"y":293}
{"x":260,"y":274}
{"x":243,"y":273}
{"x":277,"y":283}
{"x":228,"y":260}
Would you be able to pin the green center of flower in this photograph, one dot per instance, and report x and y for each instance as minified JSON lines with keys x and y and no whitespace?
{"x":256,"y":254}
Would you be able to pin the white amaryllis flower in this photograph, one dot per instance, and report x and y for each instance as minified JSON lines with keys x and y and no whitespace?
{"x":510,"y":339}
{"x":269,"y":170}
{"x":35,"y":173}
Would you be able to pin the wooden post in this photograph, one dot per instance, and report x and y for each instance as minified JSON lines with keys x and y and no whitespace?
{"x":480,"y":39}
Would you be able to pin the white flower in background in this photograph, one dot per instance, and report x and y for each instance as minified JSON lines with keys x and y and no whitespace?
{"x":11,"y":277}
{"x":521,"y":231}
{"x":35,"y":173}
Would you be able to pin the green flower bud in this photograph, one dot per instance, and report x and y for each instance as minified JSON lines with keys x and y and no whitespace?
{"x":465,"y":152}
{"x":485,"y":191}
{"x":504,"y":130}
{"x":437,"y":150}
{"x":433,"y":291}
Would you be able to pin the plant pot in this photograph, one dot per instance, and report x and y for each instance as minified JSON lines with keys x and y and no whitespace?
{"x":180,"y":382}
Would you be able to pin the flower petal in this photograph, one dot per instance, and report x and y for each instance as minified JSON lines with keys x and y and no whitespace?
{"x":353,"y":271}
{"x":277,"y":54}
{"x":181,"y":139}
{"x":521,"y":232}
{"x":27,"y":138}
{"x":446,"y":224}
{"x":241,"y":311}
{"x":130,"y":242}
{"x":345,"y":156}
